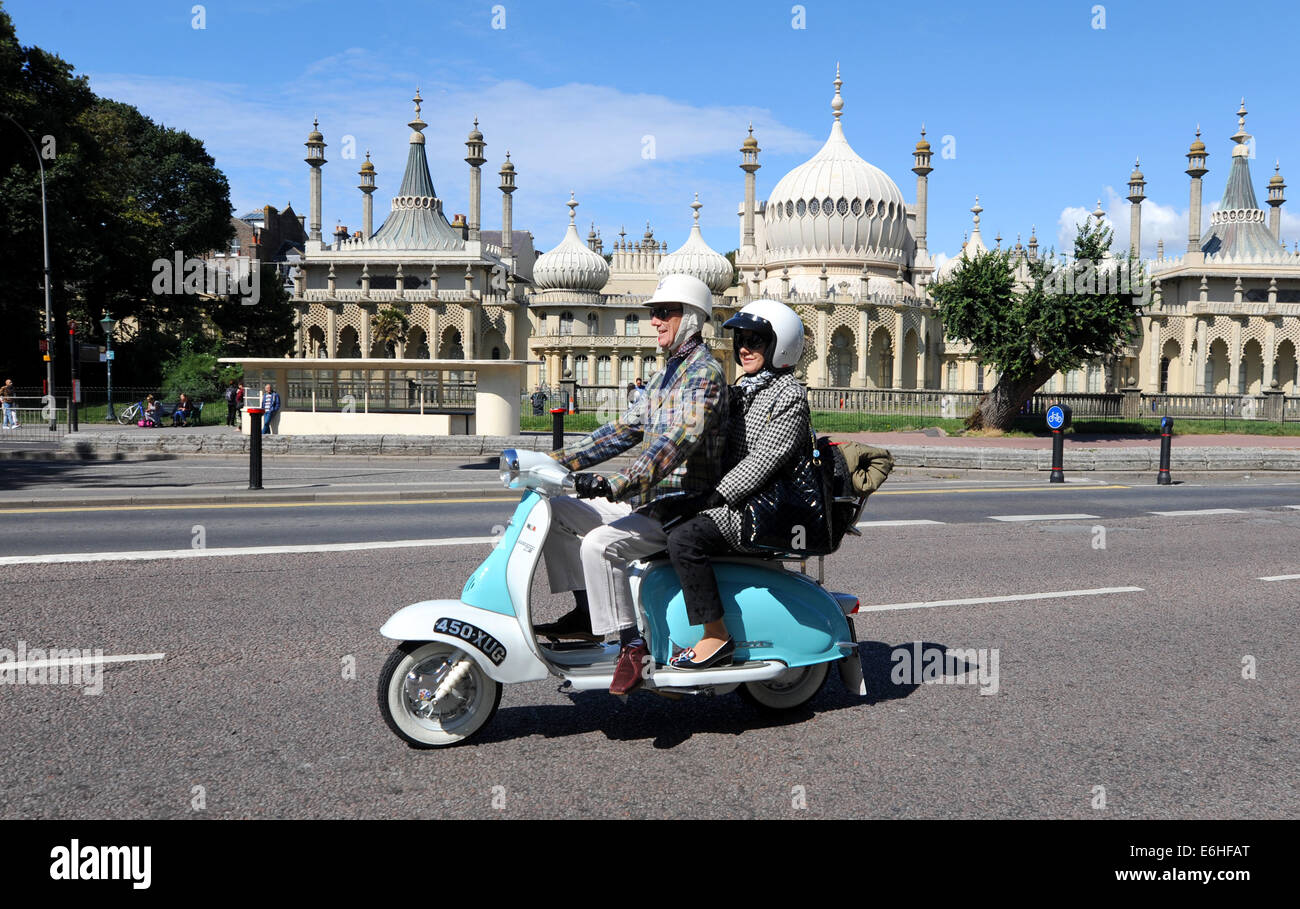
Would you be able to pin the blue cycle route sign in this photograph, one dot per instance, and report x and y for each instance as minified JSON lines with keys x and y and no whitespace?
{"x":1055,"y":416}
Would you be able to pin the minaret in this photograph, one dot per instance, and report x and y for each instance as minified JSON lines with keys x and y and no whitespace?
{"x":507,"y":187}
{"x":922,"y":170}
{"x":1196,"y":169}
{"x":367,"y":186}
{"x":1033,"y":242}
{"x":475,"y":160}
{"x":316,"y":160}
{"x":1135,"y":196}
{"x":749,"y":164}
{"x":1275,"y":199}
{"x":1099,"y":213}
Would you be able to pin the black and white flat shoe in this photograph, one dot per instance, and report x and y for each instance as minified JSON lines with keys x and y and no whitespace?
{"x":722,"y":657}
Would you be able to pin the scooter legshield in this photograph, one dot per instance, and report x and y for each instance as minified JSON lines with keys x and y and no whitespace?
{"x":779,"y":615}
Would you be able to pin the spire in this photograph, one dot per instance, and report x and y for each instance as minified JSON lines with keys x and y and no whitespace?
{"x":417,"y":124}
{"x":1098,"y":213}
{"x":837,"y":103}
{"x":573,"y":209}
{"x":696,"y":206}
{"x":416,"y":220}
{"x":1241,"y":137}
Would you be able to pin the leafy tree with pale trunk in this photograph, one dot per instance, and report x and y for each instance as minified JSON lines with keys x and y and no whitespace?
{"x":1069,"y":313}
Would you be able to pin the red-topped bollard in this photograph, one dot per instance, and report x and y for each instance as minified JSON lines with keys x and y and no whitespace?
{"x":557,"y":428}
{"x":255,"y":449}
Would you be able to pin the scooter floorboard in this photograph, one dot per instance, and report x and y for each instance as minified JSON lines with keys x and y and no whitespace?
{"x":599,"y":675}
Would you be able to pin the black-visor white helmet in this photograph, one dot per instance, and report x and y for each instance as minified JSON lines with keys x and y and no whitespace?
{"x":779,"y":324}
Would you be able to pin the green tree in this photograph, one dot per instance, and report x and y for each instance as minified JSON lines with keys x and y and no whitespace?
{"x":193,"y":372}
{"x":389,"y":327}
{"x":263,"y":329}
{"x":1067,"y":314}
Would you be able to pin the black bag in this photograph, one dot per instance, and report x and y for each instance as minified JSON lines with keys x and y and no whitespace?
{"x":791,"y":514}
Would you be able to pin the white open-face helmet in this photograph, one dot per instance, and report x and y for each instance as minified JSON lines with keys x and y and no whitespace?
{"x":782,"y":326}
{"x":686,"y":290}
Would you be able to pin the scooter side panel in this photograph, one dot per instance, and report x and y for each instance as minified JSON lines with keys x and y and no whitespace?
{"x":487,"y":587}
{"x":492,"y":639}
{"x":800,"y":621}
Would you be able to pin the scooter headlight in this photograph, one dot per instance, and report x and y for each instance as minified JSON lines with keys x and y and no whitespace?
{"x":509,"y":468}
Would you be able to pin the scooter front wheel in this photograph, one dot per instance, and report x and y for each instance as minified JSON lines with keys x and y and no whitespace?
{"x":792,"y":688}
{"x":433,"y":694}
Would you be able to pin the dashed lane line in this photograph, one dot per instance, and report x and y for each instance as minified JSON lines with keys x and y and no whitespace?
{"x":81,"y":661}
{"x":1042,"y":517}
{"x":1197,"y":511}
{"x":1282,"y":577}
{"x":145,"y":555}
{"x":1011,"y":598}
{"x":900,"y":523}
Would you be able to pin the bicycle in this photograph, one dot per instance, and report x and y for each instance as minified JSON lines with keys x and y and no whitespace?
{"x":132,"y":413}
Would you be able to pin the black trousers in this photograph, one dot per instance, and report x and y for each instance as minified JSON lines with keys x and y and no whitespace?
{"x":690,"y":546}
{"x":232,"y":409}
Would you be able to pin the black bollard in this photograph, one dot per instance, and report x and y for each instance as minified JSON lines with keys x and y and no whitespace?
{"x":1058,"y":456}
{"x":255,"y":448}
{"x":1166,"y":443}
{"x":557,"y":428}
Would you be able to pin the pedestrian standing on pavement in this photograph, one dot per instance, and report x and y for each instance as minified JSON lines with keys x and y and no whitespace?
{"x":11,"y":412}
{"x":270,"y":407}
{"x":538,"y":399}
{"x":232,"y":403}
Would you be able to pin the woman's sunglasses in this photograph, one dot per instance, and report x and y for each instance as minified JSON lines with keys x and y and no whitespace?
{"x":751,"y":340}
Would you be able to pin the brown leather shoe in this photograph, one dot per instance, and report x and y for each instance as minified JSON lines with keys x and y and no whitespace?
{"x":633,"y":660}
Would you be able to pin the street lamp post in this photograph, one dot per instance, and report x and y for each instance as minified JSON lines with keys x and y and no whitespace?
{"x":108,"y":322}
{"x":49,"y":322}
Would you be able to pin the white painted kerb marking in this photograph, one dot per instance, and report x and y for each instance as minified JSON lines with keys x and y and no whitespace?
{"x":1043,"y":517}
{"x":143,"y":555}
{"x":1282,"y":577}
{"x":1178,"y":514}
{"x":1012,"y":598}
{"x":83,"y":661}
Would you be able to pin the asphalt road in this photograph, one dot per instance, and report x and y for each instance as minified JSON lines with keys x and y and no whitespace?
{"x":251,"y":712}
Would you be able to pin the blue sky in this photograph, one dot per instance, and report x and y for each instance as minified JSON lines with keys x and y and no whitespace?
{"x":1042,"y":107}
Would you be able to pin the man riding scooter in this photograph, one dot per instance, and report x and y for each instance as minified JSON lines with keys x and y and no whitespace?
{"x":616,"y":518}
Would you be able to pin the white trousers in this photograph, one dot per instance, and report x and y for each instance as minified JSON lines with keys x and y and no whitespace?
{"x":611,"y":537}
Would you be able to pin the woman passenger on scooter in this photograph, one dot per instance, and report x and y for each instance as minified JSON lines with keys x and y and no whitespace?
{"x":767,"y":422}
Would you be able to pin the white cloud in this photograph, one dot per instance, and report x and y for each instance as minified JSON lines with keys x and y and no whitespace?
{"x":587,"y":138}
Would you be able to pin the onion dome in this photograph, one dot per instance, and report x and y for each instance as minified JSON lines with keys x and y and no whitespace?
{"x":697,"y":259}
{"x":474,"y":134}
{"x":571,"y":265}
{"x":750,"y":141}
{"x":366,"y":166}
{"x":835,"y":202}
{"x":1136,"y":176}
{"x":1197,"y":145}
{"x":315,"y":134}
{"x":972,"y":247}
{"x":1276,"y":179}
{"x":922,"y":145}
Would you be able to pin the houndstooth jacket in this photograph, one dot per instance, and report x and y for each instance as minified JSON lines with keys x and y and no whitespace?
{"x":763,"y":434}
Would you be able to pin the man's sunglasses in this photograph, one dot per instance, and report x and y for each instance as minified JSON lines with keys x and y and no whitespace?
{"x":751,"y":340}
{"x":663,"y":313}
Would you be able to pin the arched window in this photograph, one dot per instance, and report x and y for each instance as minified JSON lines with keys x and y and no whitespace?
{"x":627,"y":369}
{"x":604,"y":376}
{"x":1164,"y":375}
{"x":566,"y":323}
{"x":580,"y":370}
{"x":649,"y":366}
{"x":593,"y":324}
{"x":632,"y":326}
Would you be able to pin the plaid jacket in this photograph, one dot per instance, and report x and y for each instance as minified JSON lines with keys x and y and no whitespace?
{"x":682,"y":421}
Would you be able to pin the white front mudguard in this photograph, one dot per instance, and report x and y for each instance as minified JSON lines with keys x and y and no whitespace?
{"x":486,"y":635}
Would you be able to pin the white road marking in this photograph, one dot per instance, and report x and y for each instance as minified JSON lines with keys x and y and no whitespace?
{"x":895,"y":523}
{"x":143,"y":555}
{"x":1282,"y":577}
{"x":1291,"y":506}
{"x":1042,"y":517}
{"x":1015,"y":597}
{"x":1195,"y":511}
{"x":83,"y":661}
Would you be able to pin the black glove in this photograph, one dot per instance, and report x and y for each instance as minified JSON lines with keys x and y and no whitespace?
{"x":714,"y":500}
{"x":592,"y":486}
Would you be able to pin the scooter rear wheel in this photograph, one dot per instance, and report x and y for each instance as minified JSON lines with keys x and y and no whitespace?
{"x":792,"y":688}
{"x":412,"y":677}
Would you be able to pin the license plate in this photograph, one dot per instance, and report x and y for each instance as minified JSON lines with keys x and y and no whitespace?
{"x":474,"y":636}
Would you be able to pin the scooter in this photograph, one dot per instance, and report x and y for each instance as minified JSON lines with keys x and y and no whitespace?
{"x":442,"y":684}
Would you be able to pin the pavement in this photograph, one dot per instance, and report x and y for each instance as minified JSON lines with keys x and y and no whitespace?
{"x":105,"y":464}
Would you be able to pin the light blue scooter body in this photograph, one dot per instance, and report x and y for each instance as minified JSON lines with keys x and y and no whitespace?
{"x":780,"y":615}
